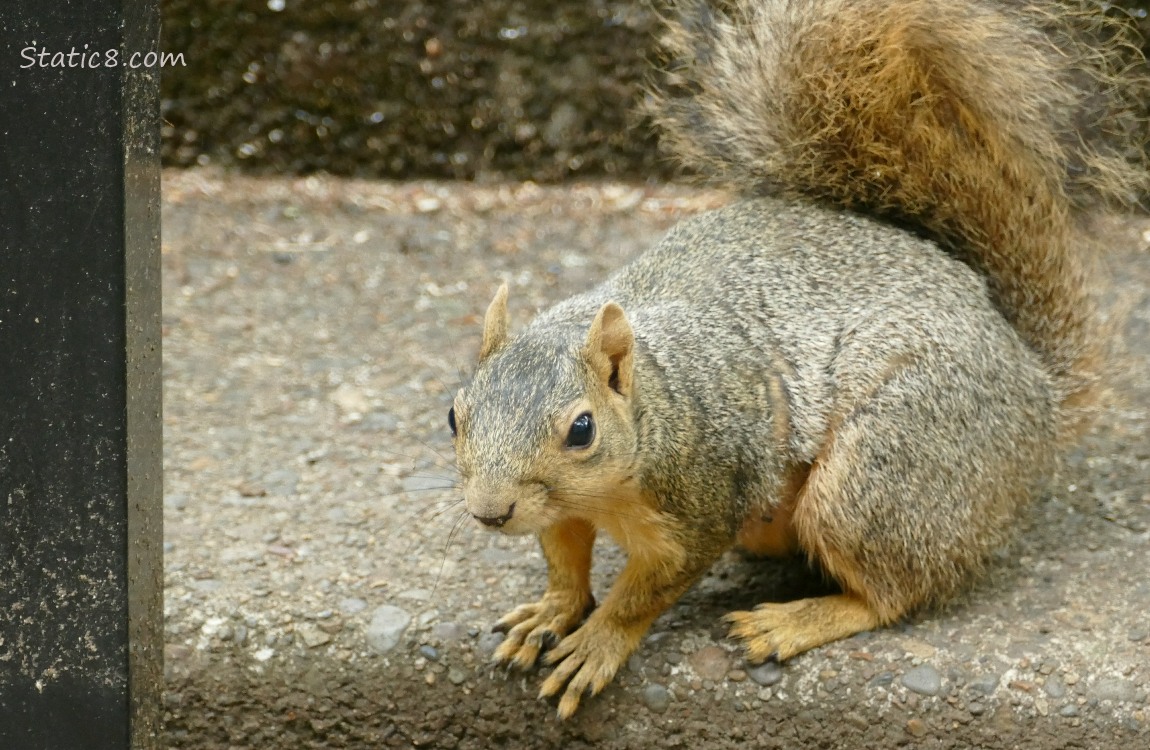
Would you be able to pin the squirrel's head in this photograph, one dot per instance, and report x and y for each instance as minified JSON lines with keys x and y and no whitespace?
{"x":545,"y":429}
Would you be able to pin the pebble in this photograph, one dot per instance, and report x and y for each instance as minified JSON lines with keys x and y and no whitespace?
{"x":923,"y":679}
{"x":1138,"y":635}
{"x":312,"y":636}
{"x":657,"y":698}
{"x":351,"y":606}
{"x":420,"y":595}
{"x":386,"y":627}
{"x":916,"y":727}
{"x":766,"y":674}
{"x":448,"y":631}
{"x":710,"y":663}
{"x":1068,"y":710}
{"x":429,"y":653}
{"x":176,"y":501}
{"x":1114,"y":689}
{"x":488,"y":642}
{"x":455,"y":676}
{"x":882,"y":679}
{"x":331,"y":626}
{"x":1054,"y":687}
{"x":283,"y":482}
{"x":985,"y":684}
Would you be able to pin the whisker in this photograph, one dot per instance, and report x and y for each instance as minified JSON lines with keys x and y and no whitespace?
{"x":446,"y":546}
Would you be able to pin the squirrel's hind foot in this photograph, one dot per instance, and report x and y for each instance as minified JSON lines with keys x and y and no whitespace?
{"x":786,"y":629}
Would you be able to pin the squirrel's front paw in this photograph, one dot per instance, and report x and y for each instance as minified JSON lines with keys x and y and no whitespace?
{"x":586,"y":661}
{"x":532,"y":628}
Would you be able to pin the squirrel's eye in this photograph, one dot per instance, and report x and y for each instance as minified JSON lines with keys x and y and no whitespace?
{"x":451,"y":420}
{"x":582,"y":431}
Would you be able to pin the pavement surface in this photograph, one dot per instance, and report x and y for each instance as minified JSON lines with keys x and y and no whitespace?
{"x":324,"y":590}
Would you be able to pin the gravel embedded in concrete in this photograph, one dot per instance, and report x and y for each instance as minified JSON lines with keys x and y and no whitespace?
{"x":315,"y":331}
{"x":923,"y":679}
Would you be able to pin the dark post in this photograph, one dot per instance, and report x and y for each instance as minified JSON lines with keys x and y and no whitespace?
{"x":80,"y":429}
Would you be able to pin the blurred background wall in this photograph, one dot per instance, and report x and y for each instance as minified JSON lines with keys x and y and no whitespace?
{"x":521,"y":89}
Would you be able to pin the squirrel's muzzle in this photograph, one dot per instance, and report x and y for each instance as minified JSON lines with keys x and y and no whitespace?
{"x":496,"y":521}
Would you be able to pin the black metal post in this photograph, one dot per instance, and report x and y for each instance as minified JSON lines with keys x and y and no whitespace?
{"x":80,"y":430}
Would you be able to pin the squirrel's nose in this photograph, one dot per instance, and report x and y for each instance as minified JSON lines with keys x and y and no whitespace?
{"x":496,"y":520}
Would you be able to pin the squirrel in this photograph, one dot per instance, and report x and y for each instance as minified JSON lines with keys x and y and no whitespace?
{"x":872,"y":358}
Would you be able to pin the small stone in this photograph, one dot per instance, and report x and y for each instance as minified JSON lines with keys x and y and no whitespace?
{"x":351,"y":606}
{"x":657,"y":698}
{"x":1054,"y":687}
{"x":176,"y":652}
{"x":332,"y":626}
{"x":350,"y":400}
{"x":635,"y":664}
{"x":737,"y":675}
{"x":455,"y":675}
{"x":283,"y":482}
{"x":1138,"y":635}
{"x":176,"y":501}
{"x":985,"y":684}
{"x":429,"y":653}
{"x":386,"y":628}
{"x":976,"y":709}
{"x":488,"y":642}
{"x":882,"y":679}
{"x":448,"y":632}
{"x":1069,"y":710}
{"x":264,"y":654}
{"x":1114,"y":689}
{"x":710,"y":663}
{"x":418,"y":595}
{"x":916,"y":727}
{"x":923,"y":679}
{"x":766,"y":674}
{"x":312,"y":636}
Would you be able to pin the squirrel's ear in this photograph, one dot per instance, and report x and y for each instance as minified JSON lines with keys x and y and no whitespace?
{"x":609,"y":348}
{"x":496,"y":323}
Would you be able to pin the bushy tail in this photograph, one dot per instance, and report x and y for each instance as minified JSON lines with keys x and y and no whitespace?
{"x":979,"y":124}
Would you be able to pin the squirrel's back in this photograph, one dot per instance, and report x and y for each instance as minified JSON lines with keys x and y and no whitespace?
{"x":970,"y":123}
